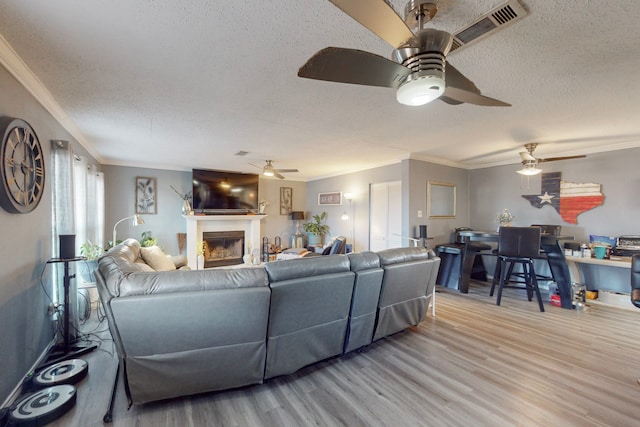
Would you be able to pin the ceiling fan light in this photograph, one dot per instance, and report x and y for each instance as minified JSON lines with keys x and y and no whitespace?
{"x":420,"y":91}
{"x":529,"y":171}
{"x":267,"y":172}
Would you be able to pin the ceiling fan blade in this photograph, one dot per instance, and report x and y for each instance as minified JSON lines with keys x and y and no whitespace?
{"x":286,"y":170}
{"x":277,"y":175}
{"x":461,"y":95}
{"x":336,"y":64}
{"x":527,"y":157}
{"x":553,"y":159}
{"x":259,"y":167}
{"x":460,"y":90}
{"x":456,"y":79}
{"x":379,"y":18}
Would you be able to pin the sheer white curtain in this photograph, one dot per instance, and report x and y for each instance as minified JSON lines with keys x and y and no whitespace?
{"x":80,"y":193}
{"x":88,"y":185}
{"x":62,"y":191}
{"x":78,"y":198}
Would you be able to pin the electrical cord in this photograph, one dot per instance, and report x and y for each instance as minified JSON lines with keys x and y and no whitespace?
{"x":44,"y":268}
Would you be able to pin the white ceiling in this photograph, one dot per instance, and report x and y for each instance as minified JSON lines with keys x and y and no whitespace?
{"x":182,"y":84}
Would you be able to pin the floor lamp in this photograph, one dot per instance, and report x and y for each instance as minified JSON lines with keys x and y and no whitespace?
{"x":137,"y":220}
{"x":352,"y":221}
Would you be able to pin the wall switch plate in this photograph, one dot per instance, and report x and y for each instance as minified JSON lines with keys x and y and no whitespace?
{"x":419,"y":214}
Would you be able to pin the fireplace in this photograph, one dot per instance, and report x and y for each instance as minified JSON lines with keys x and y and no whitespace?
{"x":197,"y":225}
{"x":223,"y":248}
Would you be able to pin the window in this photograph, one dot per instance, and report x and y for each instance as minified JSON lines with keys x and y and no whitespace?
{"x":77,"y":200}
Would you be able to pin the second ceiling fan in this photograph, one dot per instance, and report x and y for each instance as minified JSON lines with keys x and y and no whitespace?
{"x":529,"y":161}
{"x":420,"y":72}
{"x":269,"y":170}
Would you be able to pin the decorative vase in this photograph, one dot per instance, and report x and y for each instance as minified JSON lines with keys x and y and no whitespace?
{"x":200,"y":261}
{"x":186,"y":207}
{"x":247,"y":259}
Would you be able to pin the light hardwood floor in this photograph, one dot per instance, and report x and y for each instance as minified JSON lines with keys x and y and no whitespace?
{"x":474,"y":364}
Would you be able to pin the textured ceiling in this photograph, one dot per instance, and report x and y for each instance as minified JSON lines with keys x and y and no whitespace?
{"x":176,"y":84}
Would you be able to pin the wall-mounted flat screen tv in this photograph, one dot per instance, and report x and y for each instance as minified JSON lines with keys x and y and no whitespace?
{"x":223,"y":192}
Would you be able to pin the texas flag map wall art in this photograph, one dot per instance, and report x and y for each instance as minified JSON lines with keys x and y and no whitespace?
{"x":569,"y":199}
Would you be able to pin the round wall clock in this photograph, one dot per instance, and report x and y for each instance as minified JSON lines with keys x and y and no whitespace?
{"x":22,"y":166}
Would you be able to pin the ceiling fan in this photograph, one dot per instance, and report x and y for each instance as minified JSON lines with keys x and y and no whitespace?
{"x":269,"y":170}
{"x":419,"y":72}
{"x":529,"y":161}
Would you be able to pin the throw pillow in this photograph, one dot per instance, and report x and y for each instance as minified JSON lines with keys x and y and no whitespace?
{"x":178,"y":260}
{"x":156,"y":258}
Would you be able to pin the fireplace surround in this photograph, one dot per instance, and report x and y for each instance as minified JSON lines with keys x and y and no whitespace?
{"x":199,"y":224}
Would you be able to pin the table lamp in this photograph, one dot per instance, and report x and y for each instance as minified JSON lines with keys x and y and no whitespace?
{"x":298,"y":237}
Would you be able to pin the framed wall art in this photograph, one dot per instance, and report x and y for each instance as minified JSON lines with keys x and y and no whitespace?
{"x":441,"y":200}
{"x":146,"y":201}
{"x":328,"y":199}
{"x":286,"y":200}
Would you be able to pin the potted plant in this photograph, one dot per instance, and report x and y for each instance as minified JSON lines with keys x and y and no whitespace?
{"x":316,"y":229}
{"x":148,"y":239}
{"x":91,"y":252}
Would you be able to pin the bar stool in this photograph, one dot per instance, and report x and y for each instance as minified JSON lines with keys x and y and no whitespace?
{"x":518,"y":245}
{"x":553,"y":230}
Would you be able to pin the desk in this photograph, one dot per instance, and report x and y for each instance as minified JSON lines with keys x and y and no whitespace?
{"x":555,"y":254}
{"x":601,"y":274}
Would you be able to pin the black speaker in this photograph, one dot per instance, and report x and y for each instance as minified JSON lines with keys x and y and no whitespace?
{"x":423,"y":231}
{"x":67,"y":246}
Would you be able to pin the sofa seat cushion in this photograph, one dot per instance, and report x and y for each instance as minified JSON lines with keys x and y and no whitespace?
{"x":156,"y":259}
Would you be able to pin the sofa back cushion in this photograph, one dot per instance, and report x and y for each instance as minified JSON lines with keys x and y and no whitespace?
{"x":304,"y":267}
{"x":310,"y":301}
{"x":364,"y":303}
{"x":125,"y":276}
{"x":402,"y":255}
{"x":405,"y":284}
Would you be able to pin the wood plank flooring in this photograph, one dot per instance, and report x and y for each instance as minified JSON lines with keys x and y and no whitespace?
{"x":474,"y":364}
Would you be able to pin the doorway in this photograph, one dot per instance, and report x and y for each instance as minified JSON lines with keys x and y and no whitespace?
{"x":385,"y":215}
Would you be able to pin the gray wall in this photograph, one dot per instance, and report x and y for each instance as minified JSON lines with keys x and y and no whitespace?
{"x":414,"y":175}
{"x":276,"y":224}
{"x":27,"y":245}
{"x":357,"y":184}
{"x":439,"y":229}
{"x":494,"y":189}
{"x":120,"y":203}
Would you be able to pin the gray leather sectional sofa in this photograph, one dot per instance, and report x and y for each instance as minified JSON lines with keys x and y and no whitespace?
{"x":185,"y":332}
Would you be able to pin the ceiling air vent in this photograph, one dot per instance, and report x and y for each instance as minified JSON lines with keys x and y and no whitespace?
{"x":489,"y":23}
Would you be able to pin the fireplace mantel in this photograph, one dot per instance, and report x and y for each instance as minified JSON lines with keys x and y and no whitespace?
{"x":197,"y":224}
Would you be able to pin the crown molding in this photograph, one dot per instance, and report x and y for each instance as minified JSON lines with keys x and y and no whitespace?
{"x":10,"y":59}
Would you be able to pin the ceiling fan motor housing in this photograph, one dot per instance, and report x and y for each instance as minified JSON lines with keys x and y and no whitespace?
{"x":427,"y":63}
